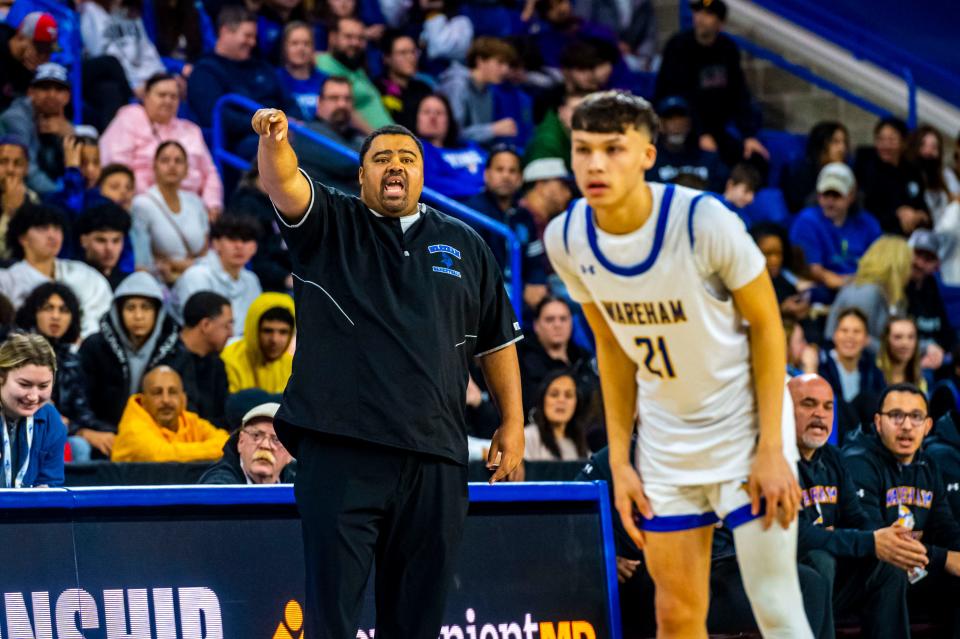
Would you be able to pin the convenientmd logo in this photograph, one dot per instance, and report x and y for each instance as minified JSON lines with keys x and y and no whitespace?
{"x":195,"y":613}
{"x":292,"y":625}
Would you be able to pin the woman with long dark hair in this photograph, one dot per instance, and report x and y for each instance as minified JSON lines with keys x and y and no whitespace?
{"x":170,"y":225}
{"x":925,"y":150}
{"x":556,"y":432}
{"x":53,"y":311}
{"x":774,"y":243}
{"x":899,"y":358}
{"x":827,"y":142}
{"x":450,"y":165}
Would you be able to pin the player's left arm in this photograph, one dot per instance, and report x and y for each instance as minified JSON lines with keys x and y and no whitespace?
{"x":771,"y":477}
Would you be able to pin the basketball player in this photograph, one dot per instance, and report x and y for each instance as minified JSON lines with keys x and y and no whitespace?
{"x":689,"y":338}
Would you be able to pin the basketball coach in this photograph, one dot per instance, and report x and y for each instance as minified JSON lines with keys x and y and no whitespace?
{"x":393,"y":299}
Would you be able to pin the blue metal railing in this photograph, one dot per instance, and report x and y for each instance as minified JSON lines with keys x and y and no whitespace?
{"x":865,"y":44}
{"x":434,"y":198}
{"x":808,"y":75}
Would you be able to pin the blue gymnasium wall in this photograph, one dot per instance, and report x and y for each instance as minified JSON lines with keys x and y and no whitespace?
{"x":918,"y":34}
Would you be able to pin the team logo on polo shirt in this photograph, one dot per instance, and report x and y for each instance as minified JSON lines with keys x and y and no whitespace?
{"x":447,"y":253}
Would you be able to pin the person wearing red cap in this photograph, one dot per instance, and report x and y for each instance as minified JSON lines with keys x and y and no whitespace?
{"x":22,"y":51}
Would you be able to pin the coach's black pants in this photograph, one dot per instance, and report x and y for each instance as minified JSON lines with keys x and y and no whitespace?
{"x":359,"y":503}
{"x":873,"y":589}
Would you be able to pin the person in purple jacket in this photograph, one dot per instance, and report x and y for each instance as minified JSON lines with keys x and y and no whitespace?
{"x":32,"y":432}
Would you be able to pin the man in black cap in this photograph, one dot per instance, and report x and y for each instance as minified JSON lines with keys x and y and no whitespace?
{"x":703,"y":66}
{"x":678,"y":150}
{"x":39,"y":119}
{"x":925,"y":304}
{"x":393,"y":299}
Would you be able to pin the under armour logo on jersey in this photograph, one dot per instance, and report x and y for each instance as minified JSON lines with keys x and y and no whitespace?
{"x":587,"y":269}
{"x":861,"y":493}
{"x":952,"y":488}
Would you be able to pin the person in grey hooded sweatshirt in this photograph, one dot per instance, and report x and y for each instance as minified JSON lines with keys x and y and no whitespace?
{"x":135,"y":336}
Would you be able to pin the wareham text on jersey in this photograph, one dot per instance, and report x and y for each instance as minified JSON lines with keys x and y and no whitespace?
{"x":646,"y":313}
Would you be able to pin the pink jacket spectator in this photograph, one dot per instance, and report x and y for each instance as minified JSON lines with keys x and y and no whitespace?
{"x":132,"y":139}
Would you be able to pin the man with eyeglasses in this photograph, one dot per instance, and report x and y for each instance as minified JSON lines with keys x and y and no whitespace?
{"x":253,"y":454}
{"x":865,"y":566}
{"x":899,"y":484}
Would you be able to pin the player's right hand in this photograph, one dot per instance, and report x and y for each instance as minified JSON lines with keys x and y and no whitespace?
{"x":629,"y":498}
{"x":771,"y":479}
{"x":270,"y":123}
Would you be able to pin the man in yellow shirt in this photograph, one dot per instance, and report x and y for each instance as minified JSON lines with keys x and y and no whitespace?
{"x":157,"y":427}
{"x":260,"y":359}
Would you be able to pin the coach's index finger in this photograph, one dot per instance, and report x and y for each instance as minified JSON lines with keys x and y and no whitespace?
{"x":260,"y":121}
{"x":266,"y":121}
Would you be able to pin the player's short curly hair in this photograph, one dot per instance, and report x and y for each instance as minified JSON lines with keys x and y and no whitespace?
{"x":615,"y":112}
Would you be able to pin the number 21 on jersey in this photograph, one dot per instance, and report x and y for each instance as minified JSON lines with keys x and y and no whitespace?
{"x":653,"y":351}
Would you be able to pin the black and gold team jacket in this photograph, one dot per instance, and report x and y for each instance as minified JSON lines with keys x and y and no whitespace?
{"x":890,"y":491}
{"x":832,"y":518}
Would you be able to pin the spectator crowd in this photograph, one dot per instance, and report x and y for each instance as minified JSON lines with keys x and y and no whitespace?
{"x":146,"y":292}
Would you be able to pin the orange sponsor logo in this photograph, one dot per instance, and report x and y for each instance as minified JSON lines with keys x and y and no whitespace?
{"x":292,"y":625}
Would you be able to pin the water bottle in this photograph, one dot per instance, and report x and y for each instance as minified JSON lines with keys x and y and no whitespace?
{"x":906,"y":520}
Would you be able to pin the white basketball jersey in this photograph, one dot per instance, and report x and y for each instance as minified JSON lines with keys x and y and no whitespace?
{"x":664,"y":291}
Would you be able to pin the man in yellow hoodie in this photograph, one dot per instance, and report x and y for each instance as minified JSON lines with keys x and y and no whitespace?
{"x":260,"y":359}
{"x":157,"y":427}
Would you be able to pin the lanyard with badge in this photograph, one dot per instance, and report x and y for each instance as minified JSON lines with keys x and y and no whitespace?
{"x":8,"y":481}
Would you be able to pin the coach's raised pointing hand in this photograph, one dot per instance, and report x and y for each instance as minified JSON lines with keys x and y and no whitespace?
{"x":288,"y":189}
{"x":270,"y":123}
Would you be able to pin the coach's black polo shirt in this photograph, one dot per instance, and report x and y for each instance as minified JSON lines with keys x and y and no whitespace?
{"x":386,"y":323}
